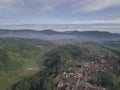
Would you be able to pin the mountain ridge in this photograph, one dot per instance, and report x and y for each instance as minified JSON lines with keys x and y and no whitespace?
{"x":49,"y":33}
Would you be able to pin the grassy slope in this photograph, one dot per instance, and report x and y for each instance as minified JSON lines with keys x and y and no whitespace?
{"x":21,"y":59}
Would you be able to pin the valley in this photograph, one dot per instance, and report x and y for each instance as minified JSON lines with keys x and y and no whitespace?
{"x":65,"y":64}
{"x":85,"y":66}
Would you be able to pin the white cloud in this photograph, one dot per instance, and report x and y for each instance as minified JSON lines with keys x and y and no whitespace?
{"x":94,"y":5}
{"x":13,"y":8}
{"x":102,"y":21}
{"x":50,"y":5}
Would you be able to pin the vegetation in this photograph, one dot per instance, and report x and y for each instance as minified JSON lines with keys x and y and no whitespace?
{"x":45,"y":80}
{"x":3,"y":56}
{"x":17,"y":55}
{"x":31,"y":64}
{"x":107,"y":79}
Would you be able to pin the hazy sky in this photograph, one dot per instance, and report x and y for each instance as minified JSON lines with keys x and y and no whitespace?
{"x":59,"y":11}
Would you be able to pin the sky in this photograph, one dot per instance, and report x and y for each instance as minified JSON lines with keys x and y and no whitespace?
{"x":32,"y":12}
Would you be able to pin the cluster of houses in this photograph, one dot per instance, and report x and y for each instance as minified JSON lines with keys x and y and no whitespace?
{"x":100,"y":54}
{"x":75,"y":74}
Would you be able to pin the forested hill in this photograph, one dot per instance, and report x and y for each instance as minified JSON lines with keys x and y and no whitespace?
{"x":50,"y":34}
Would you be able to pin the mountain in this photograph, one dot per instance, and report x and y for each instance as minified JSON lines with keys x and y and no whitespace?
{"x":93,"y":33}
{"x":51,"y":34}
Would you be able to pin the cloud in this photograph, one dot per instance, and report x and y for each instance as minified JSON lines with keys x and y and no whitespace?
{"x":36,"y":5}
{"x":2,"y":17}
{"x":18,"y":10}
{"x":101,"y":21}
{"x":51,"y":5}
{"x":86,"y":6}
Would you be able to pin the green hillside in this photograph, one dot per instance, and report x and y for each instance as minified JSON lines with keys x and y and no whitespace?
{"x":99,"y":72}
{"x":20,"y":58}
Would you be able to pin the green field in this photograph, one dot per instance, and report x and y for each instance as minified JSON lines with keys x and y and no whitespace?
{"x":20,"y":55}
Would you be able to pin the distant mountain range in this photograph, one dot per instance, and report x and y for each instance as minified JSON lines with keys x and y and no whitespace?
{"x":51,"y":34}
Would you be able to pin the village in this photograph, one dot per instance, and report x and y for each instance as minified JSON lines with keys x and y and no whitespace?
{"x":75,"y":74}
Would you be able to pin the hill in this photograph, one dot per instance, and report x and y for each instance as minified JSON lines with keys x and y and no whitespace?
{"x":20,"y":58}
{"x":51,"y":34}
